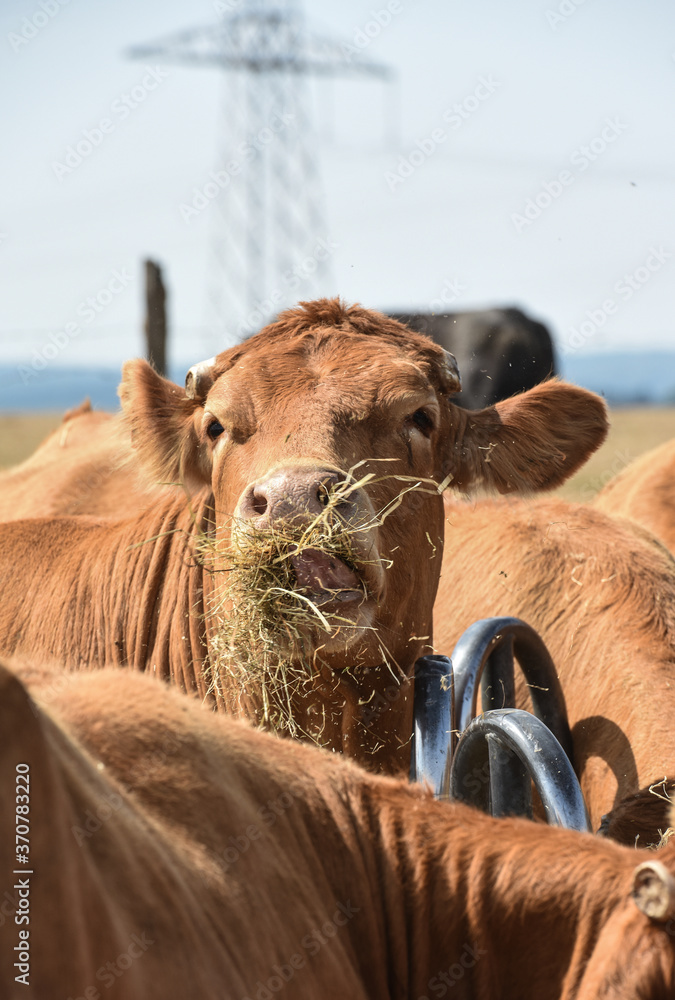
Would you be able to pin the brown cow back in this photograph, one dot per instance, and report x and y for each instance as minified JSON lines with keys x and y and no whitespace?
{"x":601,"y":592}
{"x":221,"y":861}
{"x":645,"y":492}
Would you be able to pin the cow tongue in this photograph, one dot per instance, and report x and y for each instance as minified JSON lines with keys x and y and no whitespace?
{"x":316,"y":570}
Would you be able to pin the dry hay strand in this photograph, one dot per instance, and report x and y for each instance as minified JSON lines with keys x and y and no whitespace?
{"x":660,"y":790}
{"x":664,"y":838}
{"x":267,"y":642}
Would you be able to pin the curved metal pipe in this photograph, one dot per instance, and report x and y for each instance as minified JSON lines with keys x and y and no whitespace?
{"x":432,"y":712}
{"x":486,"y":650}
{"x":478,"y":775}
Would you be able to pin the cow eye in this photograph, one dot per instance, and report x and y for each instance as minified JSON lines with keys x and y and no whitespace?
{"x":215,"y":429}
{"x":423,"y":422}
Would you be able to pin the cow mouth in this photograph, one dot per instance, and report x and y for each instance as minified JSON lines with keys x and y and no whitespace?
{"x":290,"y":599}
{"x":325,"y":578}
{"x":286,"y":610}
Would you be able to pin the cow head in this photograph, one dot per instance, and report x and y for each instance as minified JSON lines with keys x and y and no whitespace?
{"x":328,"y":437}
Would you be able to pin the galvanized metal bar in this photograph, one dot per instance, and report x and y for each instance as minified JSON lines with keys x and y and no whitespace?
{"x":497,"y":683}
{"x":510,"y":784}
{"x":478,"y":646}
{"x":544,"y":759}
{"x":430,"y":759}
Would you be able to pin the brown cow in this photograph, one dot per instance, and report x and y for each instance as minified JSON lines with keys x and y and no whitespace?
{"x":601,"y":593}
{"x":645,"y":492}
{"x":173,"y":853}
{"x":85,"y":466}
{"x":332,"y":417}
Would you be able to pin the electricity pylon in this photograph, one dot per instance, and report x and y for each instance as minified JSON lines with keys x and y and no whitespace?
{"x":264,"y":196}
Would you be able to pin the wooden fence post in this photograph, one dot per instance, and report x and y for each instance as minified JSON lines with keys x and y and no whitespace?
{"x":155,"y":317}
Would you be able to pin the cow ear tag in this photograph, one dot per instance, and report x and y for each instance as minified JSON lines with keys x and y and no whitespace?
{"x":654,"y":891}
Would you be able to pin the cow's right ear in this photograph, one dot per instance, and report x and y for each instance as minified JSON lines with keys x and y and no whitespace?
{"x":533,"y":441}
{"x":163,"y":421}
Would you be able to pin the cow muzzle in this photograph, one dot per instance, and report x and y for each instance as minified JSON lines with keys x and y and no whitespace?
{"x":330,"y":526}
{"x":295,"y":495}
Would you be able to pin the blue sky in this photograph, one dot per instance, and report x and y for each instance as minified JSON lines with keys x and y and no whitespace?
{"x":551,"y":187}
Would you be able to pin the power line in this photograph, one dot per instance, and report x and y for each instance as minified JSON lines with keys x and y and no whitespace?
{"x":265,"y":196}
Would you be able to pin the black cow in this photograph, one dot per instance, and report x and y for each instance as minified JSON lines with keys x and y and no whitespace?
{"x":499,"y":351}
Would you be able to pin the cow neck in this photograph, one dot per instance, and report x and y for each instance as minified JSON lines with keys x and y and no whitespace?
{"x":371,"y":723}
{"x":362,"y":710}
{"x":157,"y":620}
{"x":371,"y":715}
{"x":464,"y":892}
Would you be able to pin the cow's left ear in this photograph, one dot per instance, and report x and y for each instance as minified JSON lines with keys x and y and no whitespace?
{"x":164,"y":421}
{"x":533,"y":441}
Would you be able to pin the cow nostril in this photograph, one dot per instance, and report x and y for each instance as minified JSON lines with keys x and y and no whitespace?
{"x":323,"y":494}
{"x":259,"y":503}
{"x":331,"y":493}
{"x":294,"y":495}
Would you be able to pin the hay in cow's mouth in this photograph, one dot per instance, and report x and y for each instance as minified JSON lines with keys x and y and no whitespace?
{"x":261,"y":610}
{"x":271,"y":616}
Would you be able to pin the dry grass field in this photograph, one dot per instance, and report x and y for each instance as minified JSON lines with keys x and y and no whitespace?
{"x":633,"y":432}
{"x":21,"y":433}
